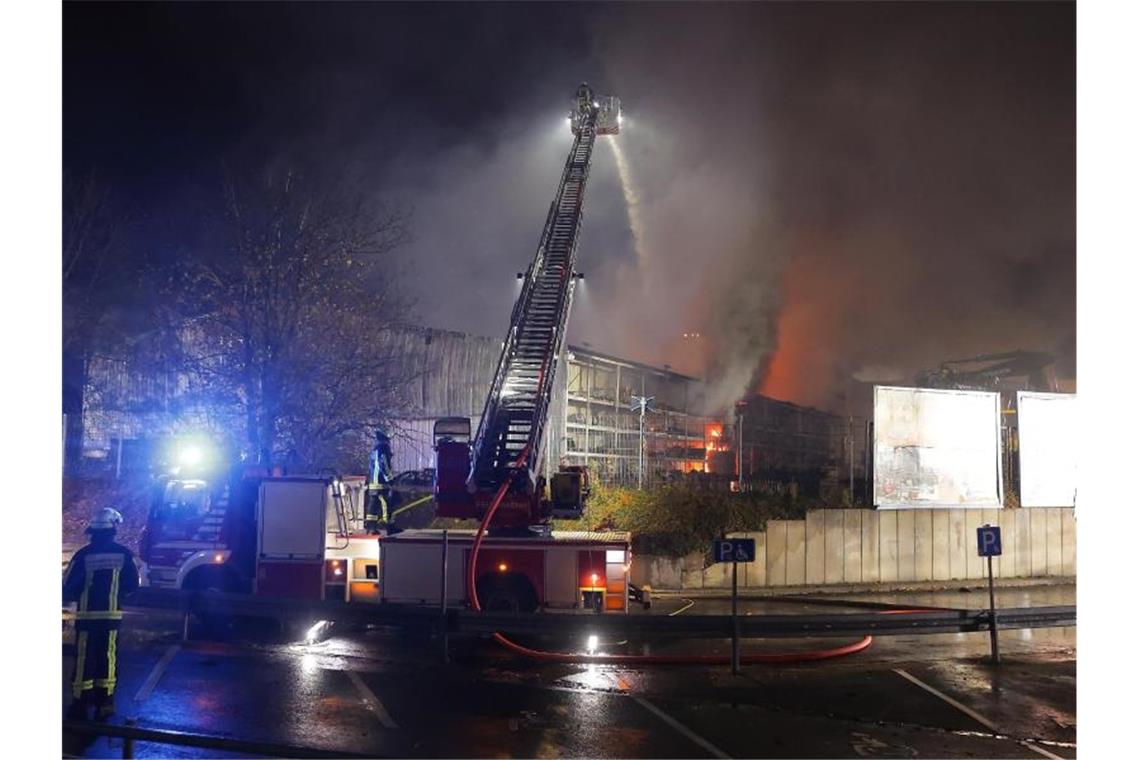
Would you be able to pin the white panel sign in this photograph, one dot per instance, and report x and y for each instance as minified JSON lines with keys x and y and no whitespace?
{"x":937,"y":448}
{"x":1047,"y":433}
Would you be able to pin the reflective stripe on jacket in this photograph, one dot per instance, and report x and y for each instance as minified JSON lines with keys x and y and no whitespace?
{"x":99,"y":574}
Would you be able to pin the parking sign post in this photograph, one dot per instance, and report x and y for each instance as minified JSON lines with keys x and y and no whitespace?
{"x":735,"y":550}
{"x":735,"y":626}
{"x":989,"y":546}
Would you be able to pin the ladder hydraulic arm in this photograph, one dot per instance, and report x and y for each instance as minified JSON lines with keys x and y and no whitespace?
{"x":508,"y":446}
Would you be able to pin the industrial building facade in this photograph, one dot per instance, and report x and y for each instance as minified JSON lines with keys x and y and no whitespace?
{"x":450,"y":374}
{"x":762,"y":444}
{"x":779,"y":446}
{"x":596,"y":426}
{"x":591,"y":422}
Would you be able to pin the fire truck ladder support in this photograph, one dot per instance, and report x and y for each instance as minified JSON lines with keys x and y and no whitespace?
{"x":514,"y":416}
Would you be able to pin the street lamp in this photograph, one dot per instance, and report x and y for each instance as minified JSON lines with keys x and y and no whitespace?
{"x":642,"y":404}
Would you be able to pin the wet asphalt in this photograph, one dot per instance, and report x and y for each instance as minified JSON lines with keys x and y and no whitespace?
{"x":387,"y":693}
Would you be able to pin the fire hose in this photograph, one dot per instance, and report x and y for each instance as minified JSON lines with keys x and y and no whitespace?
{"x":635,"y":659}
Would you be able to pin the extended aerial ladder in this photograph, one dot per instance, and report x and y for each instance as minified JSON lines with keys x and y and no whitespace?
{"x":508,"y":446}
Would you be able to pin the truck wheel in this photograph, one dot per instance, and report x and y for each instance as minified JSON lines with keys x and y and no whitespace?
{"x":214,"y":579}
{"x":507,"y":593}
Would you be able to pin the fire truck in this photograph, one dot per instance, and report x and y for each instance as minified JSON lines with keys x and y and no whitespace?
{"x":303,"y":537}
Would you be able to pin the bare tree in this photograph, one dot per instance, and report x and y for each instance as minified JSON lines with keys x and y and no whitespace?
{"x":95,"y":271}
{"x":283,"y":317}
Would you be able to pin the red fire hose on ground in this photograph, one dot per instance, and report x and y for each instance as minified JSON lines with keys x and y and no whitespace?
{"x":636,"y":659}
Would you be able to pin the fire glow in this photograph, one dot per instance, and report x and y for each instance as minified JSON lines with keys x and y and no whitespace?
{"x":714,"y":442}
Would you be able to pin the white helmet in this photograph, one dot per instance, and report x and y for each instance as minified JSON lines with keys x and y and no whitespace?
{"x":105,"y":519}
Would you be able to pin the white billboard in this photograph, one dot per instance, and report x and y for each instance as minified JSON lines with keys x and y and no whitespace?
{"x":1047,"y":436}
{"x":937,"y":448}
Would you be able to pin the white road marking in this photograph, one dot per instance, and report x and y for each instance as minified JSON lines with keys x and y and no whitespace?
{"x":948,"y":700}
{"x":1049,"y":742}
{"x":156,"y":673}
{"x":370,"y":699}
{"x":691,"y":602}
{"x":681,"y":728}
{"x":1040,"y":751}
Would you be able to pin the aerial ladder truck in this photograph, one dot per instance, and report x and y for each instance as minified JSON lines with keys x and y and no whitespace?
{"x":304,"y":537}
{"x":508,"y":446}
{"x":524,"y":564}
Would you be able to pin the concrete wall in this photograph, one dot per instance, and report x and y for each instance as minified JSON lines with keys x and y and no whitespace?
{"x":849,"y":546}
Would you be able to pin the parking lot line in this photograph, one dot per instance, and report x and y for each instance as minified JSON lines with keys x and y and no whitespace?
{"x":372,"y":701}
{"x":1040,"y":751}
{"x":948,"y":700}
{"x":156,"y":673}
{"x":681,"y":728}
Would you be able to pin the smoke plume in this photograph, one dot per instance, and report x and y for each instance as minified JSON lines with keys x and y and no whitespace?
{"x":819,"y":191}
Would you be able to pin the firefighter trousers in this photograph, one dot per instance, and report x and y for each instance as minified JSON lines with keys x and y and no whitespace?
{"x":375,"y":507}
{"x":95,"y":655}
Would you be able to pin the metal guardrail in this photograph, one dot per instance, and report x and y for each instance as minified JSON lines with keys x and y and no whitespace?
{"x":767,"y":626}
{"x":131,"y":734}
{"x":583,"y":623}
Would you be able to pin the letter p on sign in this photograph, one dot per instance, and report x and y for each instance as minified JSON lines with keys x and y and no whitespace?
{"x":989,"y":541}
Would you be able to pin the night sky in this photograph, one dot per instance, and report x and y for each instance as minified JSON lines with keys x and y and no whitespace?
{"x":823,"y":191}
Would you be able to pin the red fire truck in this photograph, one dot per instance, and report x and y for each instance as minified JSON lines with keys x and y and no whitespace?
{"x":303,"y":537}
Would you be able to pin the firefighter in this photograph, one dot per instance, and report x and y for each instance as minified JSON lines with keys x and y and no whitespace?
{"x":379,"y":483}
{"x":585,"y":97}
{"x":99,"y":575}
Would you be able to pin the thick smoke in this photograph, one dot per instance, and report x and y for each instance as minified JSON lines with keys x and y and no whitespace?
{"x":854,"y":192}
{"x":821,"y":191}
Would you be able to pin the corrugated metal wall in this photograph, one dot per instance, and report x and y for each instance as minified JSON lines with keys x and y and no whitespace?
{"x":453,"y":372}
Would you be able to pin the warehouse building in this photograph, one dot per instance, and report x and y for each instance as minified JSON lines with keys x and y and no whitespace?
{"x":591,"y":422}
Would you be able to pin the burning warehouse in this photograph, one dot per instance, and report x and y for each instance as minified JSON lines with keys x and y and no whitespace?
{"x":448,"y":373}
{"x":766,"y":445}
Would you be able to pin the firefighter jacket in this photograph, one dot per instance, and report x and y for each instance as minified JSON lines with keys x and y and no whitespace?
{"x":99,"y":575}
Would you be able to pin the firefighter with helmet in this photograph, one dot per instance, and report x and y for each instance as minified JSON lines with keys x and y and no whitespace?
{"x":99,"y":575}
{"x":379,"y":488}
{"x":585,"y":98}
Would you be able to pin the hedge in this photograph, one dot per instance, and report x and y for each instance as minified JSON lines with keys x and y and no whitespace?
{"x":675,"y":520}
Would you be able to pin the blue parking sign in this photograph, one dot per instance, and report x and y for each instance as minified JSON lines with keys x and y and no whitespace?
{"x":734,"y":550}
{"x":989,"y":541}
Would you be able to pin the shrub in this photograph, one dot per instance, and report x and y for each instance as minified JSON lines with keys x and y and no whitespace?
{"x":675,"y":520}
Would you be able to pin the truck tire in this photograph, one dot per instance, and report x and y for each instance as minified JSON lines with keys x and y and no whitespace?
{"x":207,"y":579}
{"x":507,"y":593}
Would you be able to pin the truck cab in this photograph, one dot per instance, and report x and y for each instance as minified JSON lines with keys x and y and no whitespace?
{"x":267,"y":535}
